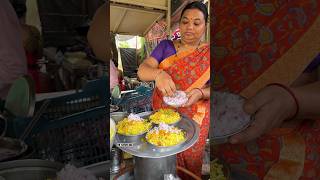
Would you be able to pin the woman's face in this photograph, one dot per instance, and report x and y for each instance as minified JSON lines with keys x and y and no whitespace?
{"x":192,"y":25}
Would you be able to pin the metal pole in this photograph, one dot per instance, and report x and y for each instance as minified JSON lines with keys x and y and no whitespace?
{"x":169,"y":18}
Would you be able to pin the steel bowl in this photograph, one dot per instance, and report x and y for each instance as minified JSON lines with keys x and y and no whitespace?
{"x":174,"y":123}
{"x":167,"y":148}
{"x":118,"y":116}
{"x":133,"y":138}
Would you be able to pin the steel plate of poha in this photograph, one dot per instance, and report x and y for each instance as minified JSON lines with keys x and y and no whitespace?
{"x":133,"y":125}
{"x":165,"y":136}
{"x":167,"y":116}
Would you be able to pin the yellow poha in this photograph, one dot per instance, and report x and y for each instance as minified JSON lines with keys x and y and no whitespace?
{"x":168,"y":116}
{"x":165,"y":136}
{"x":132,"y":127}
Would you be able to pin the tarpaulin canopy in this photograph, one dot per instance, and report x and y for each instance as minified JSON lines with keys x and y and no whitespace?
{"x":136,"y":17}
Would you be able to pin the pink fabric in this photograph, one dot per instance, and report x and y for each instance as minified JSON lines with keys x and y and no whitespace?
{"x":113,"y":75}
{"x":13,"y":63}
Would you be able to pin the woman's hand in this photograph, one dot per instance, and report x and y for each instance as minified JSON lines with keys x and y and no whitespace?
{"x":270,"y":107}
{"x":193,"y":96}
{"x":165,"y":83}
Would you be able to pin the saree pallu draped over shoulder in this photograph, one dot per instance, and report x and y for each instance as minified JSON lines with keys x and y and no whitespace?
{"x":268,"y":42}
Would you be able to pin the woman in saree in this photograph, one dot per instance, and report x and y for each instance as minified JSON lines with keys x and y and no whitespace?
{"x":184,"y":65}
{"x":268,"y":53}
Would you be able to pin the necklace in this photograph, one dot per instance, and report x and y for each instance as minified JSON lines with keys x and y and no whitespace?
{"x":180,"y":43}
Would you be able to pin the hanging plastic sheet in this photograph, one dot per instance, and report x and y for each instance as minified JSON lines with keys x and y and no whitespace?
{"x":129,"y":62}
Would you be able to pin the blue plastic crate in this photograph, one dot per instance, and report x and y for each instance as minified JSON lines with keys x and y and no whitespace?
{"x":93,"y":95}
{"x":137,"y":101}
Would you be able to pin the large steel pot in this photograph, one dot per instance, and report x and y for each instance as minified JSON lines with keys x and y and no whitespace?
{"x":29,"y":169}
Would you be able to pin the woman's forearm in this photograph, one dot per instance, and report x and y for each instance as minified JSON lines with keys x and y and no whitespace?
{"x":147,"y":72}
{"x":308,"y":97}
{"x":305,"y":78}
{"x":206,"y":92}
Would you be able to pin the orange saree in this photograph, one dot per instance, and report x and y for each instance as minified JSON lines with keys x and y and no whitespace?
{"x":260,"y":42}
{"x":190,"y":70}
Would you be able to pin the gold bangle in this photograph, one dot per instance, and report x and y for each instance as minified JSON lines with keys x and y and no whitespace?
{"x":201,"y":92}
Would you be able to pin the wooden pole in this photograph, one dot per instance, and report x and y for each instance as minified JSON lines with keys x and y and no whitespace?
{"x":168,"y":18}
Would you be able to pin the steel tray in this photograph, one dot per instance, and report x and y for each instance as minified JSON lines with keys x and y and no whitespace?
{"x":141,"y":148}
